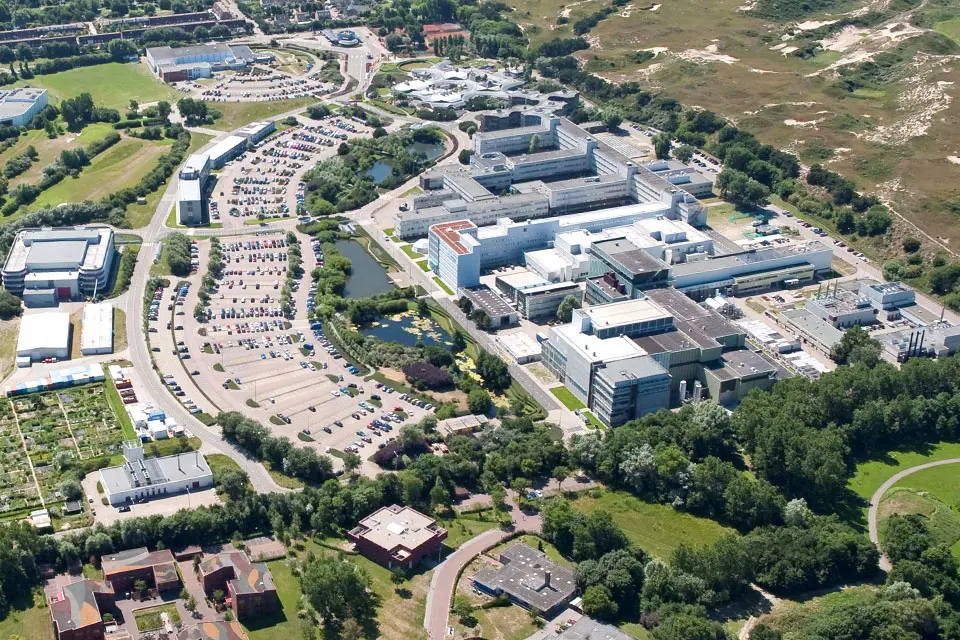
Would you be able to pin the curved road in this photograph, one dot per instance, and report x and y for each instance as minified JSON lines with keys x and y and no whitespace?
{"x":878,"y":494}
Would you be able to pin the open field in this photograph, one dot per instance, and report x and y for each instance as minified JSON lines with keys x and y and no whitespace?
{"x":655,"y":528}
{"x":870,"y":475}
{"x":942,"y":516}
{"x":111,"y":85}
{"x":48,"y":150}
{"x":28,"y":618}
{"x":893,"y":136}
{"x":139,"y":215}
{"x":9,"y":330}
{"x":237,"y":114}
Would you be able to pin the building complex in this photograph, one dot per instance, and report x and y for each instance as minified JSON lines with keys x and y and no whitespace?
{"x":197,"y":61}
{"x":47,"y":265}
{"x":193,"y":181}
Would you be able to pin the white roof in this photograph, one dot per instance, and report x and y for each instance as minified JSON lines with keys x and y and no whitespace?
{"x":97,"y":329}
{"x":47,"y":330}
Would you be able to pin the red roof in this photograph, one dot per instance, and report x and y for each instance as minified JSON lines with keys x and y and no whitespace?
{"x":449,"y":232}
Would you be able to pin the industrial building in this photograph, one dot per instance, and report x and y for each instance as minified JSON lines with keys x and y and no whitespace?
{"x":811,"y":329}
{"x":19,"y":106}
{"x":683,"y":176}
{"x":398,"y":536}
{"x":77,"y":609}
{"x":197,"y":61}
{"x":937,"y":340}
{"x":96,"y":333}
{"x":637,"y":356}
{"x":124,"y":568}
{"x":192,"y":184}
{"x":485,"y":299}
{"x":140,"y":478}
{"x":46,"y":265}
{"x":248,"y":585}
{"x":529,"y":579}
{"x":534,"y":298}
{"x":546,"y":166}
{"x":43,"y":336}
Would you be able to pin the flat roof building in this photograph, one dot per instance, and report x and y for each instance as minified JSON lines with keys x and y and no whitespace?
{"x":96,"y":333}
{"x":19,"y":106}
{"x":197,"y":61}
{"x":535,"y":298}
{"x":498,"y":309}
{"x":50,"y":264}
{"x":248,"y":585}
{"x":140,"y":478}
{"x":44,"y":335}
{"x":812,"y":329}
{"x":157,"y":568}
{"x":398,"y":536}
{"x":586,"y":628}
{"x":530,"y":579}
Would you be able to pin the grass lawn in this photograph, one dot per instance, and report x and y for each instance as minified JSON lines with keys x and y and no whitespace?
{"x":462,"y":528}
{"x":566,"y":396}
{"x":424,"y":266}
{"x":149,"y":619}
{"x":655,"y":528}
{"x":443,"y":285}
{"x":111,"y":85}
{"x":9,"y":330}
{"x":870,"y":475}
{"x":219,"y":463}
{"x":139,"y":215}
{"x":237,"y":114}
{"x":113,"y":397}
{"x":535,"y":542}
{"x":283,"y":623}
{"x":942,"y":516}
{"x":119,"y":330}
{"x":408,"y":249}
{"x":940,"y":481}
{"x":283,"y":480}
{"x":949,"y":28}
{"x":120,"y":166}
{"x":27,"y":618}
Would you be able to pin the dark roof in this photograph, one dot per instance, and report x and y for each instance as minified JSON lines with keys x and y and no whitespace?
{"x":248,"y":577}
{"x":73,"y":506}
{"x":76,"y":606}
{"x":529,"y":577}
{"x":132,"y":559}
{"x":213,"y":631}
{"x":634,"y":259}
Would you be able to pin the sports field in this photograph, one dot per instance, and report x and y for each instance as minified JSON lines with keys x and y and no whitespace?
{"x":111,"y":85}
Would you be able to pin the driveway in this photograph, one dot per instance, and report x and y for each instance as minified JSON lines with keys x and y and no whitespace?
{"x":878,"y":495}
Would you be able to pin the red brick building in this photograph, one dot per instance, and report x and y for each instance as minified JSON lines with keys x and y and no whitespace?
{"x":77,"y":611}
{"x":157,"y":568}
{"x":398,"y":536}
{"x":248,"y":585}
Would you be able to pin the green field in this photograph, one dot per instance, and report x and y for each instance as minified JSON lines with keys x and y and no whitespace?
{"x":566,"y":396}
{"x":942,"y":517}
{"x":27,"y":618}
{"x":139,"y":215}
{"x":282,"y":624}
{"x":111,"y":85}
{"x":949,"y":28}
{"x":119,"y":167}
{"x":149,"y":619}
{"x":870,"y":475}
{"x":237,"y":114}
{"x":655,"y":528}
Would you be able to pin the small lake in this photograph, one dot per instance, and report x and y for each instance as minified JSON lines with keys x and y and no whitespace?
{"x":381,"y":169}
{"x":368,"y":276}
{"x":406,"y":328}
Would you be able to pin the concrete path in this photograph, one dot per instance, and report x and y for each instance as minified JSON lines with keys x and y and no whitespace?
{"x":878,"y":495}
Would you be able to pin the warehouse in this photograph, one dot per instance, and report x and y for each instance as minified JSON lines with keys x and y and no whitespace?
{"x":139,"y":478}
{"x":50,"y":264}
{"x":17,"y":107}
{"x":96,"y":335}
{"x":43,"y":336}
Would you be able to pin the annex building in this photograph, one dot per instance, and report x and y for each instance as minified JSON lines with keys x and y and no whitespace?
{"x":46,"y":265}
{"x":397,"y":536}
{"x":249,"y":586}
{"x":140,"y":478}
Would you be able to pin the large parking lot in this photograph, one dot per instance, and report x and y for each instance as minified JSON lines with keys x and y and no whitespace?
{"x":278,"y":368}
{"x":265,"y":183}
{"x":258,"y":84}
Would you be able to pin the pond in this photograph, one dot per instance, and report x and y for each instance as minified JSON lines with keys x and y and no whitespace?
{"x":368,"y":276}
{"x":406,"y":328}
{"x":382,"y":169}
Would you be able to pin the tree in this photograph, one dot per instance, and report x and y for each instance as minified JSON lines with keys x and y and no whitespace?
{"x":494,"y":372}
{"x":191,"y":604}
{"x":163,"y":110}
{"x":534,"y":144}
{"x":740,"y":188}
{"x":911,"y":244}
{"x":561,"y":473}
{"x":218,"y":596}
{"x":71,"y":490}
{"x":351,"y":462}
{"x":121,"y":50}
{"x":597,"y":603}
{"x":439,"y":495}
{"x":464,"y":611}
{"x":498,"y":499}
{"x":140,"y":588}
{"x":565,"y":310}
{"x":857,"y":346}
{"x":464,"y":156}
{"x":338,"y":590}
{"x":661,"y":145}
{"x":398,"y":576}
{"x":612,"y":121}
{"x":683,"y":153}
{"x":479,"y":401}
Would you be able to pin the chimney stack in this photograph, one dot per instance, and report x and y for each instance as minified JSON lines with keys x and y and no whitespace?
{"x":546,"y":579}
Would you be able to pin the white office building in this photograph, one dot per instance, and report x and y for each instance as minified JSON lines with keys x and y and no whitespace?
{"x":140,"y":478}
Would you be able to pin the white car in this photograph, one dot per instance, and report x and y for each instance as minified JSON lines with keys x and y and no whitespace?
{"x":335,"y":394}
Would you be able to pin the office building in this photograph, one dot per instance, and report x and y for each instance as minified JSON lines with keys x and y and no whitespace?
{"x":536,"y":299}
{"x":140,"y":478}
{"x":248,"y":585}
{"x":197,"y":61}
{"x":77,"y":610}
{"x":637,"y":356}
{"x":47,"y":265}
{"x":44,"y":336}
{"x":398,"y":536}
{"x":124,"y":568}
{"x":628,"y":271}
{"x":529,"y":579}
{"x":19,"y":106}
{"x":96,"y":333}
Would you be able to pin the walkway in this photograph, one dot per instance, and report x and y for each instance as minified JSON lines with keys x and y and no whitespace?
{"x":444,"y":581}
{"x":878,"y":494}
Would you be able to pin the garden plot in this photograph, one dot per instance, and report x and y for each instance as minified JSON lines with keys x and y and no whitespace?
{"x":95,"y":428}
{"x":47,"y":438}
{"x":18,"y":491}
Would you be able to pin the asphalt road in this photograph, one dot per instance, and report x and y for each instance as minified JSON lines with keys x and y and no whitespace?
{"x":878,"y":495}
